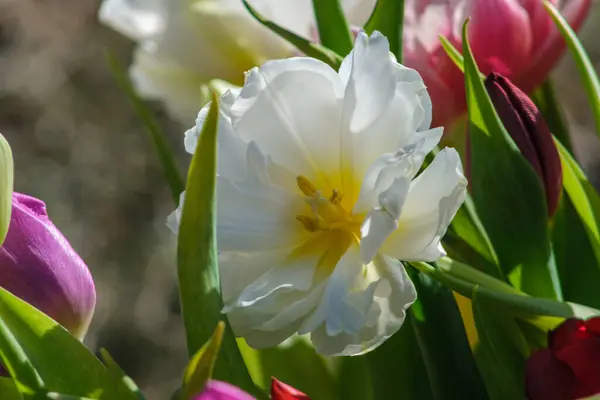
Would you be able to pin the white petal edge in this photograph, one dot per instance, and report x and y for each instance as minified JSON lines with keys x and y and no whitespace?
{"x":433,"y":199}
{"x":393,"y":295}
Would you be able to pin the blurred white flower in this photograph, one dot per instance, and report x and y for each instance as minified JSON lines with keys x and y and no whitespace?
{"x":318,"y":198}
{"x":184,"y":44}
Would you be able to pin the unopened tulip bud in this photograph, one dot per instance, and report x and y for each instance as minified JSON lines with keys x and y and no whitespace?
{"x":38,"y":265}
{"x":217,"y":390}
{"x":283,"y":391}
{"x":525,"y":125}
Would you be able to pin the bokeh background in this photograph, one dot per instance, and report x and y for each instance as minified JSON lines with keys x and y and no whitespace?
{"x":79,"y":146}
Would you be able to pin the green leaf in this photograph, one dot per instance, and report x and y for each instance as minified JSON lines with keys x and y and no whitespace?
{"x":436,"y":311}
{"x":311,"y":49}
{"x":200,"y":368}
{"x":501,"y":351}
{"x":334,"y":32}
{"x":507,"y":193}
{"x":163,"y":150}
{"x":388,"y":18}
{"x":6,"y":187}
{"x":576,"y":255}
{"x":583,"y":62}
{"x":18,"y":364}
{"x":197,"y":261}
{"x":396,"y":367}
{"x":545,"y":99}
{"x":464,"y":279}
{"x":308,"y":372}
{"x":354,"y":381}
{"x":118,"y":374}
{"x":8,"y":390}
{"x":584,"y":197}
{"x":29,"y":339}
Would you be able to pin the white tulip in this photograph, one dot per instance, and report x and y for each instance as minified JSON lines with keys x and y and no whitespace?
{"x":186,"y":44}
{"x":318,"y":198}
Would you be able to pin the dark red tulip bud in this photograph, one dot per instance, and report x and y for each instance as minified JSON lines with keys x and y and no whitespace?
{"x":282,"y":391}
{"x":525,"y":125}
{"x":569,"y":368}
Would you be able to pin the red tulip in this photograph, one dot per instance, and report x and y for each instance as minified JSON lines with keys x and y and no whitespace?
{"x":514,"y":37}
{"x":525,"y":125}
{"x":569,"y":368}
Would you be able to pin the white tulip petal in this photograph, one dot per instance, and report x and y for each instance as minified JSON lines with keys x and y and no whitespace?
{"x":136,"y":19}
{"x":253,"y":217}
{"x":382,"y":221}
{"x":292,"y":111}
{"x":370,"y":84}
{"x":394,"y":294}
{"x":404,"y":163}
{"x":157,"y":79}
{"x":433,"y":199}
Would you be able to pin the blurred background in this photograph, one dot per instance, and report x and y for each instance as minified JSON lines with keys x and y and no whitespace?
{"x":79,"y":146}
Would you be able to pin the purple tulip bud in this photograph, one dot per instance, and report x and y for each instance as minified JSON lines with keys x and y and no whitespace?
{"x":525,"y":125}
{"x":217,"y":390}
{"x":38,"y":265}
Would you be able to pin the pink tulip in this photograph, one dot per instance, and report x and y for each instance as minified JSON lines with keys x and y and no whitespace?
{"x":516,"y":38}
{"x":38,"y":265}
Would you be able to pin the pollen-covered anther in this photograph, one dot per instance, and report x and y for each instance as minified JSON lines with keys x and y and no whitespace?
{"x":336,"y":197}
{"x":306,"y":186}
{"x":311,"y":224}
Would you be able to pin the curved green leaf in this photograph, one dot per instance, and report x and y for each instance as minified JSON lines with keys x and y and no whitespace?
{"x":62,"y":363}
{"x":436,"y":311}
{"x":200,"y":368}
{"x":334,"y":32}
{"x":309,"y":48}
{"x":501,"y":351}
{"x":6,"y":187}
{"x":8,"y":390}
{"x":197,"y":261}
{"x":507,"y":193}
{"x":584,"y":64}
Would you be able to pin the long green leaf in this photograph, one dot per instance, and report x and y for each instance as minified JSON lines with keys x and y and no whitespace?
{"x":584,"y":64}
{"x":197,"y":264}
{"x":500,"y":293}
{"x":354,"y":380}
{"x":62,"y":362}
{"x":576,"y":256}
{"x":508,"y":194}
{"x":8,"y":390}
{"x":310,"y":49}
{"x":396,"y":367}
{"x":200,"y":368}
{"x":119,"y":374}
{"x":436,"y":311}
{"x":584,"y":197}
{"x":388,"y":18}
{"x":6,"y":187}
{"x":163,"y":150}
{"x":334,"y":32}
{"x":500,"y":352}
{"x":308,"y":373}
{"x":545,"y":99}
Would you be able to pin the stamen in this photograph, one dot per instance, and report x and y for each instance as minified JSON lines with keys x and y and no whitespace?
{"x":336,"y":197}
{"x":310,"y":224}
{"x":306,"y":186}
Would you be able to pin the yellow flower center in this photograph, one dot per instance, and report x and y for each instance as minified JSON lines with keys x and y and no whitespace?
{"x":328,"y":214}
